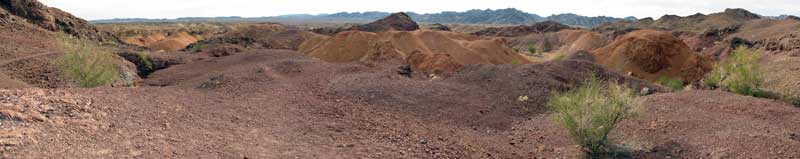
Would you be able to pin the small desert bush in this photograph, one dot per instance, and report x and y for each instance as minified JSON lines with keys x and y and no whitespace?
{"x":516,"y":62}
{"x":86,"y":62}
{"x":672,"y":83}
{"x":197,"y":47}
{"x":145,"y":59}
{"x":560,"y":57}
{"x":793,"y":100}
{"x":533,"y":51}
{"x":591,"y":111}
{"x":739,"y":73}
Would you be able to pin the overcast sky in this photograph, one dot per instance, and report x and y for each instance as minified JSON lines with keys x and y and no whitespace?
{"x":107,"y":9}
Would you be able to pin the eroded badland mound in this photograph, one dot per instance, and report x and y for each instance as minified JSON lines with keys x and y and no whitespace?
{"x":400,"y":40}
{"x":257,"y":36}
{"x":652,"y":55}
{"x":174,"y":42}
{"x":398,"y":45}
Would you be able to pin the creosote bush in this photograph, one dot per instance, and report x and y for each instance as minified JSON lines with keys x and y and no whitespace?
{"x":672,"y":83}
{"x":197,"y":47}
{"x":560,"y":57}
{"x":145,"y":58}
{"x":533,"y":51}
{"x":739,"y":73}
{"x":86,"y":62}
{"x":591,"y":111}
{"x":516,"y":62}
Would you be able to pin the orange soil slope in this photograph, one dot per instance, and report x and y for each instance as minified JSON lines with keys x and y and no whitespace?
{"x":366,"y":46}
{"x":651,"y":55}
{"x":175,"y":42}
{"x":160,"y":41}
{"x":145,"y":40}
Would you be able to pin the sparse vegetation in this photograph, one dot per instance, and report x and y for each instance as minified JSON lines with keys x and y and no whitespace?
{"x":516,"y":62}
{"x":560,"y":57}
{"x":590,"y":112}
{"x":85,"y":62}
{"x":145,"y":57}
{"x":739,"y":73}
{"x":197,"y":47}
{"x":672,"y":83}
{"x":533,"y":51}
{"x":794,"y":100}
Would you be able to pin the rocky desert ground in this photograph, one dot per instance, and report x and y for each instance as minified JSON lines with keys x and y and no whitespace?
{"x":392,"y":88}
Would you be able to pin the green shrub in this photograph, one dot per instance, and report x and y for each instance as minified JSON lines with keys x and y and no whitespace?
{"x":672,"y":83}
{"x":516,"y":62}
{"x":197,"y":47}
{"x":739,"y":73}
{"x":560,"y":57}
{"x":145,"y":58}
{"x":591,"y":111}
{"x":85,"y":62}
{"x":533,"y":51}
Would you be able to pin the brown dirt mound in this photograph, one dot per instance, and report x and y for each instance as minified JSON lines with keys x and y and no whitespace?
{"x":397,"y":21}
{"x":651,"y":55}
{"x":260,"y":36}
{"x":398,"y":45}
{"x":175,"y":42}
{"x":145,"y":40}
{"x":51,"y":19}
{"x":435,"y":63}
{"x":541,"y":27}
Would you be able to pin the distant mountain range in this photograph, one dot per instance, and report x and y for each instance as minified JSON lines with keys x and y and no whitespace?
{"x":476,"y":16}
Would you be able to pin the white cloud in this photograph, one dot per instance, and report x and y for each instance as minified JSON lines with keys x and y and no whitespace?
{"x":106,"y":9}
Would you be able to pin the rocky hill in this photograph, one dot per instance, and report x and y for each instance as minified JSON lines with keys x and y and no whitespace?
{"x":398,"y":21}
{"x":730,"y":19}
{"x":32,"y":14}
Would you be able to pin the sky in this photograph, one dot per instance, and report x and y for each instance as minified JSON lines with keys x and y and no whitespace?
{"x":108,"y":9}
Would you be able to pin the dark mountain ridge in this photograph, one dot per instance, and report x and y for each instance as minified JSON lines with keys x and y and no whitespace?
{"x":475,"y":16}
